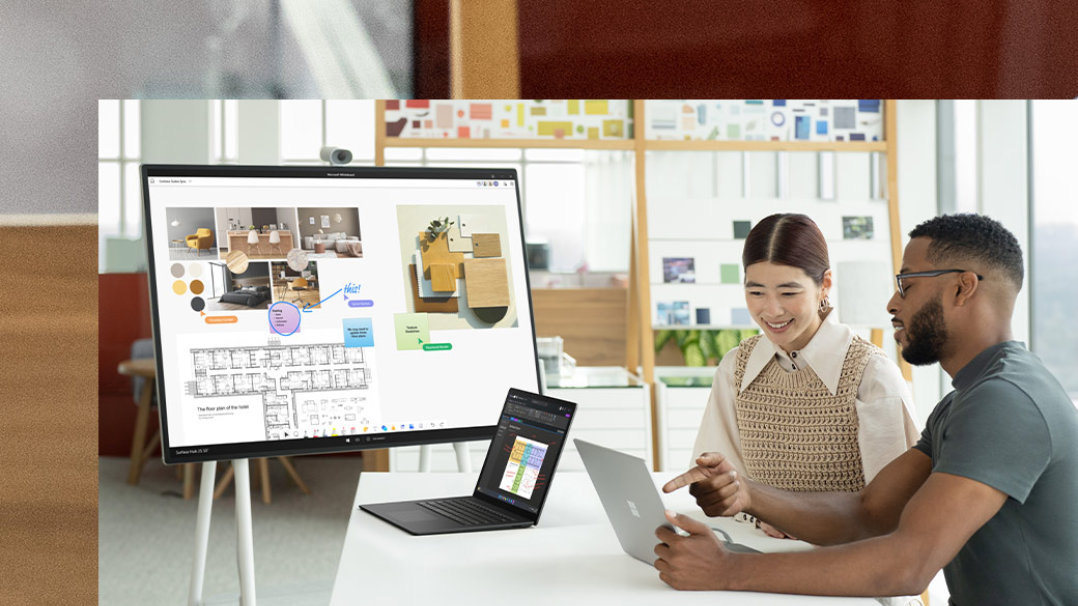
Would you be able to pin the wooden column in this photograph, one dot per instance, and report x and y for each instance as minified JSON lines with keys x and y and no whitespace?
{"x":380,"y":132}
{"x":640,"y":283}
{"x":890,"y":136}
{"x":483,"y":52}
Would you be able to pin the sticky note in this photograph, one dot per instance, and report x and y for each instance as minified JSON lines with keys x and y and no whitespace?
{"x":358,"y":332}
{"x":412,"y":331}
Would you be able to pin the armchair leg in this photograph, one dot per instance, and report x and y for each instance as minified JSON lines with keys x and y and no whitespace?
{"x":188,"y":480}
{"x":223,"y":483}
{"x":263,"y":470}
{"x":294,"y":475}
{"x":139,"y":439}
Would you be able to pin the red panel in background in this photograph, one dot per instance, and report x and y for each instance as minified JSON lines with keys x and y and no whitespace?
{"x":123,"y":317}
{"x":430,"y":49}
{"x":794,"y":48}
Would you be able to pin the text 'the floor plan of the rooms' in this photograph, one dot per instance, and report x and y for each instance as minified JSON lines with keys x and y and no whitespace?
{"x":305,"y":390}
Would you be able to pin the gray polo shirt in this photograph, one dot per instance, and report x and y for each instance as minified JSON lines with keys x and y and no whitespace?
{"x":1009,"y":424}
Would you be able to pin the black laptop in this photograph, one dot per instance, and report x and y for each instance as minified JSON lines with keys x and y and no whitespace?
{"x":515,"y":478}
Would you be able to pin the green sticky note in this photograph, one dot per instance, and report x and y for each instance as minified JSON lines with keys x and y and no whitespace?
{"x":733,"y":131}
{"x":729,"y":273}
{"x":412,"y":330}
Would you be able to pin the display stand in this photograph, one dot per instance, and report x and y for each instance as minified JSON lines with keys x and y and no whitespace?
{"x":464,"y":462}
{"x":245,"y":553}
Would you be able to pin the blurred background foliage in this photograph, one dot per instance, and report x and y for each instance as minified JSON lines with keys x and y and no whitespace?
{"x":697,"y":347}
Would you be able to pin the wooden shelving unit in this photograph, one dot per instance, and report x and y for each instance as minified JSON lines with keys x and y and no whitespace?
{"x":640,"y":354}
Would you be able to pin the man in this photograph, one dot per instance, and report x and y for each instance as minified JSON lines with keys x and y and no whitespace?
{"x":989,"y":493}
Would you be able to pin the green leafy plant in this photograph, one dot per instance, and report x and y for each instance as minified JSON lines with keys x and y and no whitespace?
{"x":702,"y":347}
{"x":436,"y":227}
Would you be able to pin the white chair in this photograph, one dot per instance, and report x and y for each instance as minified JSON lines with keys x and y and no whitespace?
{"x":252,"y":240}
{"x":275,"y":239}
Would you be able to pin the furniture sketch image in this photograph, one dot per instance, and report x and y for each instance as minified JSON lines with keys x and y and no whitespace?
{"x":240,"y":291}
{"x":252,"y":241}
{"x":262,"y":244}
{"x":250,"y":296}
{"x":297,"y":285}
{"x":201,"y":240}
{"x":330,"y":230}
{"x":339,"y":241}
{"x":275,"y":239}
{"x":190,"y":231}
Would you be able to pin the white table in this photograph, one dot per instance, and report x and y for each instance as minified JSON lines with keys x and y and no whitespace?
{"x":571,"y":557}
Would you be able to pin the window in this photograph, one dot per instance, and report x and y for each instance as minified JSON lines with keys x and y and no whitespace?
{"x":308,"y":126}
{"x":576,"y":203}
{"x":959,"y":155}
{"x":119,"y":201}
{"x":1054,"y":238}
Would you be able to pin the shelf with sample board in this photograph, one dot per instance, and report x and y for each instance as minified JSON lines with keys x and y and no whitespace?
{"x":787,"y":144}
{"x":703,"y":196}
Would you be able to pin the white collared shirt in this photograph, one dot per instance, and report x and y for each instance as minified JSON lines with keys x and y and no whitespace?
{"x":885,"y":415}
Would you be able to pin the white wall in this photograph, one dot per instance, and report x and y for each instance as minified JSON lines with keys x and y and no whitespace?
{"x":1004,"y":184}
{"x":175,"y":132}
{"x":917,"y":198}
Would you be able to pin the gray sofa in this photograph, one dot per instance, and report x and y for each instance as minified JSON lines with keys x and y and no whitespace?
{"x":330,"y":239}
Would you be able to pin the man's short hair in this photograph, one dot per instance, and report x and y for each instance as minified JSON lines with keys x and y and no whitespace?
{"x":972,"y":237}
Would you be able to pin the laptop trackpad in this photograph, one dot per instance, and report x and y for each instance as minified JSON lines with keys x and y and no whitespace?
{"x":415,"y":514}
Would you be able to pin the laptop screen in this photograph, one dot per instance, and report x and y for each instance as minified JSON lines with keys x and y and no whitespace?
{"x":524,"y":452}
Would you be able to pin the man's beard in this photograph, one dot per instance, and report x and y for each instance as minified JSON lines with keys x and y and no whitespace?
{"x":925,"y":335}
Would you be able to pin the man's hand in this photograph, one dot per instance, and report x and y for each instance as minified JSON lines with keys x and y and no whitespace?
{"x":715,"y":484}
{"x":693,"y":562}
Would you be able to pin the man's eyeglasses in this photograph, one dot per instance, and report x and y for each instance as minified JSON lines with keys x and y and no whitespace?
{"x":926,"y":274}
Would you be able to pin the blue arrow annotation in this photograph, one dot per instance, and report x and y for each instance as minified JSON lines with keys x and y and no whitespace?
{"x":307,"y":307}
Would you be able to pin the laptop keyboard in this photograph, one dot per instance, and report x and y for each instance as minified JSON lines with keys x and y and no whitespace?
{"x":469,"y":512}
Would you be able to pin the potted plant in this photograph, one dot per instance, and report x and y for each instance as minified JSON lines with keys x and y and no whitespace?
{"x":436,"y":227}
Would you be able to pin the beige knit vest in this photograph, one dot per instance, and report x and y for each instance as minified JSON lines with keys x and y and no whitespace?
{"x":795,"y":435}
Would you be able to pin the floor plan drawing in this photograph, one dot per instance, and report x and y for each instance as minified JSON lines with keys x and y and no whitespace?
{"x":305,"y":390}
{"x":522,"y":469}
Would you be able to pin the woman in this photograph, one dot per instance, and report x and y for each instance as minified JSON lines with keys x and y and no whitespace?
{"x":808,"y":405}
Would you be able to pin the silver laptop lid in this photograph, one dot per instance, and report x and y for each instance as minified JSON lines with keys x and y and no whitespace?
{"x":628,"y":495}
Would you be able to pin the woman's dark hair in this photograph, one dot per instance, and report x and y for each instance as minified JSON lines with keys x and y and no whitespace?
{"x":788,"y":239}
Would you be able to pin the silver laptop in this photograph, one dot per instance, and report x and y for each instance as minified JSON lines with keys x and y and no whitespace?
{"x":631,"y":501}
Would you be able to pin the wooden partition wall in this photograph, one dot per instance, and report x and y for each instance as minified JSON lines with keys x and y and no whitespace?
{"x":48,"y":419}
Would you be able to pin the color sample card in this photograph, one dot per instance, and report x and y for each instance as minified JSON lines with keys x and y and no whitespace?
{"x":739,"y":316}
{"x":703,"y":316}
{"x":764,"y":120}
{"x":730,"y":273}
{"x":742,"y":229}
{"x":526,"y":119}
{"x":857,"y":228}
{"x":672,"y":313}
{"x":679,"y":269}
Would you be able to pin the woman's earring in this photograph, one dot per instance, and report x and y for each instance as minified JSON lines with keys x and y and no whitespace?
{"x":825,"y":303}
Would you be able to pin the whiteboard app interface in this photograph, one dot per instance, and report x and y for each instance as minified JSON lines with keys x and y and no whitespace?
{"x":295,"y":305}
